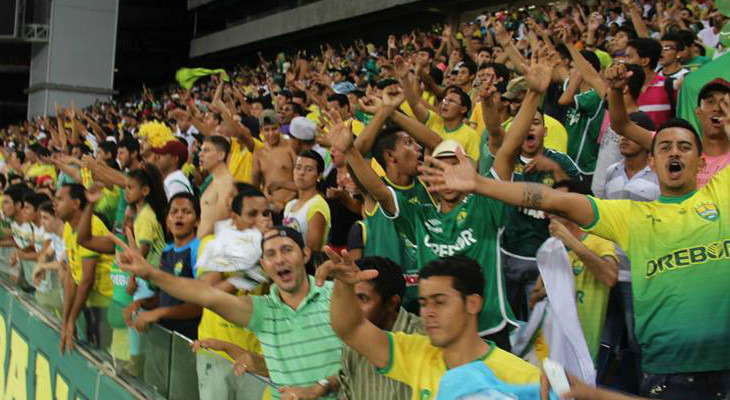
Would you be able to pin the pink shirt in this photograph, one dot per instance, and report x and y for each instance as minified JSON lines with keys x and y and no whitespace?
{"x":713,"y":165}
{"x":654,"y":101}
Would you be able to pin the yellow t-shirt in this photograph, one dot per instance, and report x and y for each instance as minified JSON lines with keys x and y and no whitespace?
{"x":214,"y":326}
{"x":464,"y":134}
{"x":429,"y":97}
{"x":477,"y":118}
{"x":240,"y":162}
{"x":102,"y":289}
{"x":556,"y":137}
{"x":419,"y":364}
{"x":591,"y":295}
{"x":147,"y":230}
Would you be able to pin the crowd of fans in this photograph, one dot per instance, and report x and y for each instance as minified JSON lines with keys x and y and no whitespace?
{"x":443,"y":181}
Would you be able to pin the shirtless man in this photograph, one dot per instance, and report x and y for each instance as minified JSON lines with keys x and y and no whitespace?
{"x":213,"y":155}
{"x":273,"y":163}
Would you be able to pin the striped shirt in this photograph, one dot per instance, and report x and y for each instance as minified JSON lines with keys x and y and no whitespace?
{"x":643,"y":186}
{"x":299,"y":345}
{"x":360,"y":380}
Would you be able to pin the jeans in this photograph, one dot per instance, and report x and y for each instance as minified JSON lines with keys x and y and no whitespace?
{"x":690,"y":386}
{"x":520,"y":276}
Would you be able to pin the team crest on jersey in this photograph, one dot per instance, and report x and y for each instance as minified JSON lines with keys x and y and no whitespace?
{"x":708,"y":211}
{"x":461,"y":217}
{"x":548,"y":180}
{"x":178,"y":268}
{"x":519,"y":168}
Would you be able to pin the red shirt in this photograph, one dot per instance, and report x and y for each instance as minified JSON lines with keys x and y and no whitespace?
{"x":654,"y":101}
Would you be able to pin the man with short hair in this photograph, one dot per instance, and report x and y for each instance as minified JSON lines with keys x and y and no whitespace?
{"x":274,"y":164}
{"x":670,"y":61}
{"x":213,"y":155}
{"x":89,"y":282}
{"x":677,"y":248}
{"x":295,"y":312}
{"x":128,"y":154}
{"x":380,"y":302}
{"x":654,"y":100}
{"x":169,"y":160}
{"x":451,"y":293}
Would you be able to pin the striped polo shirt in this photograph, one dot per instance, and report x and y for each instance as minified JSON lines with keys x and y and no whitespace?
{"x":299,"y":345}
{"x":643,"y":186}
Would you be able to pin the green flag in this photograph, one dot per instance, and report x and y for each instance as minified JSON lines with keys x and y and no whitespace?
{"x":693,"y":83}
{"x":186,"y":77}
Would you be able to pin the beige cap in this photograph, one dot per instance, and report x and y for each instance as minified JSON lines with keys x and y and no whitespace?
{"x":515,"y":87}
{"x":447,"y":148}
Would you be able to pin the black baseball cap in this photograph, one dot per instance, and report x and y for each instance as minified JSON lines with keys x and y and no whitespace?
{"x":716,"y":85}
{"x":284,"y":231}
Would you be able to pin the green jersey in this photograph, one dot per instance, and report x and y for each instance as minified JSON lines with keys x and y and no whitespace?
{"x":583,"y":124}
{"x":679,"y":248}
{"x":471,"y":229}
{"x":526,"y":229}
{"x":380,"y":238}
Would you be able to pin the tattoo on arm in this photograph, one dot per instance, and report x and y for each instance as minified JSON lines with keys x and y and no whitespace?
{"x":532,"y":195}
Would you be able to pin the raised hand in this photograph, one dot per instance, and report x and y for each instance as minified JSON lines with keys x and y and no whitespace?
{"x":440,"y":175}
{"x":393,"y":96}
{"x":539,"y":73}
{"x":94,"y":193}
{"x":369,"y":104}
{"x":401,"y":67}
{"x":502,"y":35}
{"x":340,"y":135}
{"x":130,"y":259}
{"x":617,"y":76}
{"x":342,"y":268}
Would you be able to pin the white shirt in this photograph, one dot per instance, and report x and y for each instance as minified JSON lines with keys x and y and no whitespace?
{"x":188,"y":135}
{"x":176,"y":183}
{"x":709,"y":37}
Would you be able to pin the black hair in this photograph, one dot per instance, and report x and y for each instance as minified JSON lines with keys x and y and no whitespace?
{"x":188,"y":196}
{"x":643,"y":120}
{"x":563,"y":51}
{"x":150,"y":176}
{"x":385,"y":141}
{"x":316,"y":157}
{"x":430,"y":51}
{"x":465,"y":100}
{"x":437,"y":75}
{"x":46,"y":207}
{"x":648,"y":48}
{"x":390,"y":281}
{"x":678,"y":123}
{"x":220,"y":143}
{"x":636,"y":80}
{"x":341,"y":99}
{"x":35,"y":199}
{"x":299,"y":110}
{"x":687,"y":37}
{"x":237,"y":205}
{"x":466,"y":273}
{"x":470,"y":65}
{"x":574,"y":186}
{"x":592,"y":59}
{"x":77,"y":192}
{"x":300,"y":94}
{"x":241,"y":186}
{"x":628,"y":30}
{"x":17,"y":192}
{"x":129,"y":143}
{"x":109,"y":147}
{"x":500,"y":70}
{"x":20,"y":155}
{"x":3,"y":180}
{"x":675,"y":38}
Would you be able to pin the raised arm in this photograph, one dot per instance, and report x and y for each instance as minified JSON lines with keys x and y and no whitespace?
{"x":341,"y":138}
{"x":586,"y":70}
{"x":538,"y":79}
{"x":617,"y":76}
{"x":236,"y":309}
{"x":463,"y":178}
{"x":402,"y":70}
{"x":346,"y":318}
{"x":85,"y":238}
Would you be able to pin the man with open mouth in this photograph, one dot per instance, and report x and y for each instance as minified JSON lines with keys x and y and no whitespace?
{"x":678,"y":247}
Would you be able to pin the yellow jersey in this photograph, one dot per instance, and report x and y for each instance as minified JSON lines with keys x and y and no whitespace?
{"x":240,"y":162}
{"x":464,"y":134}
{"x":416,"y":362}
{"x":102,"y":290}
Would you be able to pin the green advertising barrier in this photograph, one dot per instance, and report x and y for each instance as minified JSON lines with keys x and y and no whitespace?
{"x":31,"y":366}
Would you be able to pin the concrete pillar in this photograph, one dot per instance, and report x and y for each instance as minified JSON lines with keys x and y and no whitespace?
{"x":77,"y":62}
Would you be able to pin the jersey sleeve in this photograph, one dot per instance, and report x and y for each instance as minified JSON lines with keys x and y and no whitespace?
{"x":611,"y":220}
{"x":406,"y":215}
{"x":356,"y":237}
{"x":432,"y":120}
{"x":319,"y":206}
{"x":567,"y":164}
{"x":405,"y":352}
{"x":472,"y":147}
{"x":258,"y":313}
{"x":587,"y":102}
{"x":601,"y":247}
{"x":97,"y":229}
{"x":144,"y":227}
{"x":718,"y":189}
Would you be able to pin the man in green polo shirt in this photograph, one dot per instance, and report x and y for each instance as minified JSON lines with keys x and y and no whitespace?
{"x":678,"y":246}
{"x":292,"y":323}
